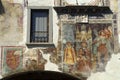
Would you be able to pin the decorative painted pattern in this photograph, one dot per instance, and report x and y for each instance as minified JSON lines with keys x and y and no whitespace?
{"x":86,"y":48}
{"x":12,"y":59}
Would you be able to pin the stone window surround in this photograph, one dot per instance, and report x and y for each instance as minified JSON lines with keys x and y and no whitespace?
{"x":50,"y":42}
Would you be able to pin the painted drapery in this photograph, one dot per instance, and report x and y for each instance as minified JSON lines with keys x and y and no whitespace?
{"x":86,"y":47}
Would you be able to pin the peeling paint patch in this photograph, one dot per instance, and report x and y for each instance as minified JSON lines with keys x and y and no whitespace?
{"x":112,"y":70}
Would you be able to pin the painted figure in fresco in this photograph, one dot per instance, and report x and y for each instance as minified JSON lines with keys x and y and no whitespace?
{"x":87,"y":52}
{"x":83,"y":35}
{"x":69,"y":57}
{"x":102,"y":48}
{"x":108,"y":35}
{"x":102,"y":51}
{"x":108,"y":32}
{"x":37,"y":62}
{"x":12,"y":60}
{"x":69,"y":54}
{"x":89,"y":33}
{"x":82,"y":61}
{"x":31,"y":64}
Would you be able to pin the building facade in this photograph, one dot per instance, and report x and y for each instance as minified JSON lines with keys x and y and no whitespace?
{"x":76,"y":37}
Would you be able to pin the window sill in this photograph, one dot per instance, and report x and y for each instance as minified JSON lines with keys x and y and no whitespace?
{"x":40,"y":45}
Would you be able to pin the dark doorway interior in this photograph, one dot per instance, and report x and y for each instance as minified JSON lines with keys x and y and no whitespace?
{"x":40,"y":75}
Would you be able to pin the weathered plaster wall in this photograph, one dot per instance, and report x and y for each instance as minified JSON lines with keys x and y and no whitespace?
{"x":55,"y":21}
{"x":14,"y":33}
{"x":42,"y":3}
{"x":11,"y":24}
{"x":112,"y":70}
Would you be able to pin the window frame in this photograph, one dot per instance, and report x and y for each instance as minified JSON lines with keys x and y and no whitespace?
{"x":50,"y":24}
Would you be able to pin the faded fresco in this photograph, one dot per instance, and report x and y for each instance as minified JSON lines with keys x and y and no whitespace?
{"x":18,"y":59}
{"x":11,"y":22}
{"x":12,"y":59}
{"x":81,"y":49}
{"x":86,"y":47}
{"x":33,"y":60}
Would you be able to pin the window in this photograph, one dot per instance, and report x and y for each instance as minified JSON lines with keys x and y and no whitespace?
{"x":40,"y":25}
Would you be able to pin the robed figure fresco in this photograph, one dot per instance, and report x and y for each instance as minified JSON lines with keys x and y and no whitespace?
{"x":83,"y":64}
{"x":102,"y":46}
{"x":69,"y":58}
{"x":86,"y":47}
{"x":69,"y":54}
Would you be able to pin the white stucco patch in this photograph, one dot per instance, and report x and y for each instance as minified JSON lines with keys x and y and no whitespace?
{"x":55,"y":28}
{"x":41,"y":2}
{"x":0,"y":76}
{"x":112,"y":70}
{"x":49,"y":65}
{"x":80,"y":2}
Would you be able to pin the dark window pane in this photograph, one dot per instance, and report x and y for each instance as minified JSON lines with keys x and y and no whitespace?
{"x":39,"y":26}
